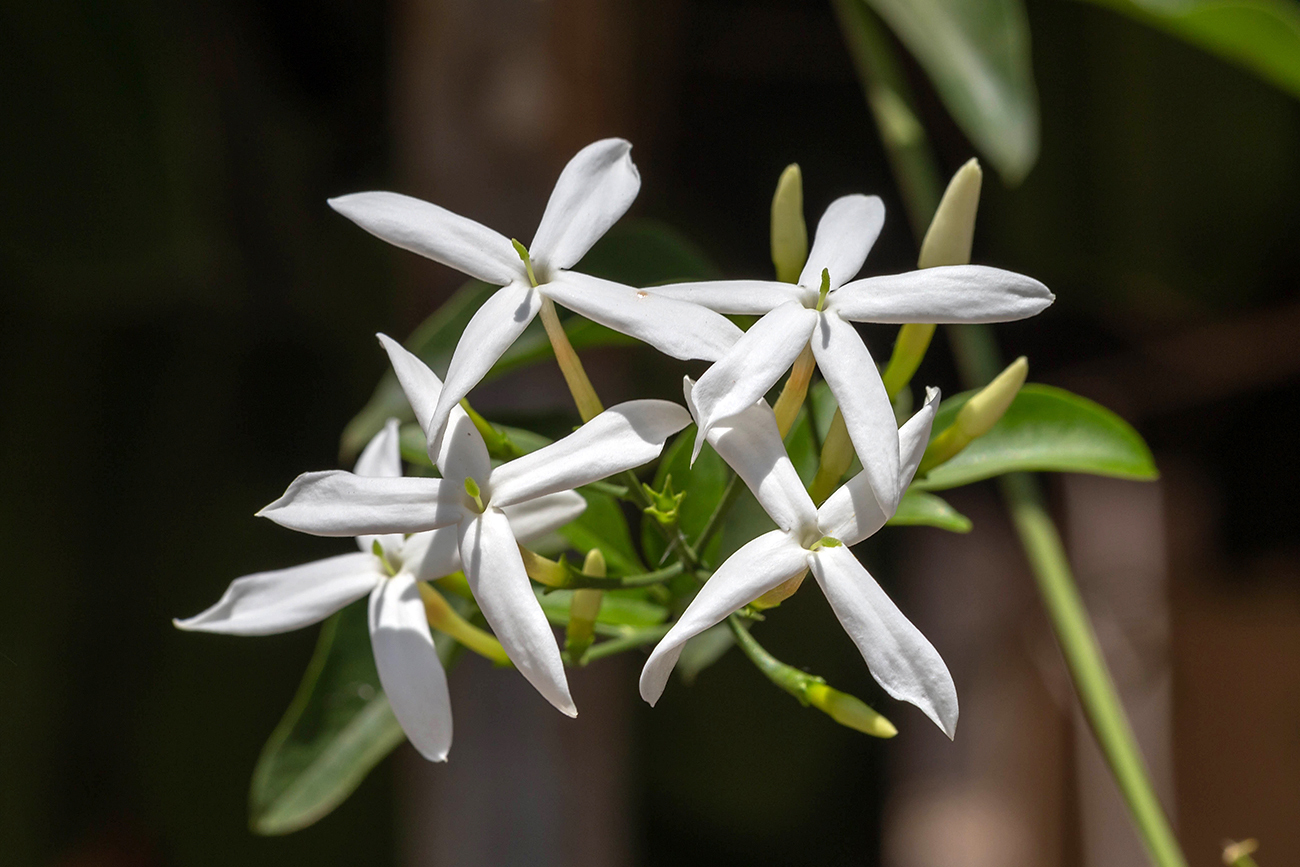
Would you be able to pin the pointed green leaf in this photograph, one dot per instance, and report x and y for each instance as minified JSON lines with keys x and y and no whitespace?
{"x":604,"y":526}
{"x":1045,"y":429}
{"x":920,"y":509}
{"x":976,"y":52}
{"x":620,"y":609}
{"x":1261,"y":35}
{"x":337,"y":728}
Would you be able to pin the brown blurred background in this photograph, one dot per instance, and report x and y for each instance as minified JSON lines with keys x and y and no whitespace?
{"x":186,"y":326}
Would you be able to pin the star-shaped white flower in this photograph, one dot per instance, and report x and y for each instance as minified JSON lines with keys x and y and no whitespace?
{"x":594,"y":190}
{"x":473,"y":497}
{"x":821,"y":308}
{"x":897,"y":654}
{"x":287,"y":599}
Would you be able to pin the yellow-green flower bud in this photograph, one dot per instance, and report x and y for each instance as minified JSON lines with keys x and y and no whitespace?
{"x":443,"y":617}
{"x":789,"y":232}
{"x":977,"y":416}
{"x":948,"y":240}
{"x":849,"y":711}
{"x":584,"y":608}
{"x":1238,"y":854}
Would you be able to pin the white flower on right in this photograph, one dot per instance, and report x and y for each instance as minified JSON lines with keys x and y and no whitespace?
{"x":594,"y":190}
{"x":475,"y":498}
{"x":821,"y":308}
{"x":899,"y":657}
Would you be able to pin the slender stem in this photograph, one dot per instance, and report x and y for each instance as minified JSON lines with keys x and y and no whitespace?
{"x":977,"y":358}
{"x":643,"y":579}
{"x":796,"y":388}
{"x":789,"y":678}
{"x":584,"y":395}
{"x":1097,"y":692}
{"x":631,"y":641}
{"x":714,"y":524}
{"x":443,"y":617}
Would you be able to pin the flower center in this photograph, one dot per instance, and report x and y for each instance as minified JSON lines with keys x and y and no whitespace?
{"x":392,"y":562}
{"x":825,"y":542}
{"x":825,"y":290}
{"x":475,"y":494}
{"x":527,"y":260}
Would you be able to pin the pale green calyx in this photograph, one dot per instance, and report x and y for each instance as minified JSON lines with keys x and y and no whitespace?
{"x":789,"y":232}
{"x":825,"y":290}
{"x":527,"y":260}
{"x":952,"y":231}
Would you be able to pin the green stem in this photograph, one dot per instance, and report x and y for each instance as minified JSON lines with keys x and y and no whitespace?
{"x":978,"y":361}
{"x":789,"y":678}
{"x":644,"y":579}
{"x":632,"y":641}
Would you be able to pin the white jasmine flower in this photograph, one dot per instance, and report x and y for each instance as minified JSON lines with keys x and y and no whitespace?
{"x":474,"y":497}
{"x":594,"y":190}
{"x":821,"y":308}
{"x":286,"y":599}
{"x":899,"y":657}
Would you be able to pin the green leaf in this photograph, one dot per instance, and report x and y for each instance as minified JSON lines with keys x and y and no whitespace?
{"x":703,"y":483}
{"x":337,"y":728}
{"x":919,"y":509}
{"x":604,"y":526}
{"x":1045,"y":429}
{"x":638,"y":253}
{"x":1261,"y":35}
{"x":624,"y":609}
{"x":976,"y":52}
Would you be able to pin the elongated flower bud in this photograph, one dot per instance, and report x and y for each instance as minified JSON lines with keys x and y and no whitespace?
{"x":849,"y":711}
{"x":977,"y":416}
{"x":948,"y":240}
{"x":789,"y":232}
{"x":584,"y":608}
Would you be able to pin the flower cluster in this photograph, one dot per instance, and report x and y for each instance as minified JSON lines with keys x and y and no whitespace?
{"x":476,"y":516}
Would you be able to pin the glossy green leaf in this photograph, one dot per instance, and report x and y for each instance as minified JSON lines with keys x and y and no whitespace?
{"x":619,"y":608}
{"x":337,"y":728}
{"x":921,"y":509}
{"x":1045,"y":429}
{"x":976,"y":52}
{"x":639,"y":253}
{"x":1261,"y":35}
{"x":604,"y":526}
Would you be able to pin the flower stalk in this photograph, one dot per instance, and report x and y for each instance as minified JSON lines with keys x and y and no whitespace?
{"x":444,"y":618}
{"x":584,"y":609}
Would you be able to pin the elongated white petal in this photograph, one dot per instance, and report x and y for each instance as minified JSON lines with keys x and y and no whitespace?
{"x":754,"y":569}
{"x":748,"y":297}
{"x":434,"y":232}
{"x":899,"y":657}
{"x":596,"y":188}
{"x":496,"y":576}
{"x":421,"y":385}
{"x":266,"y":603}
{"x":677,"y":328}
{"x":496,"y":325}
{"x":854,"y":380}
{"x":914,"y":436}
{"x":845,"y":235}
{"x":751,"y":445}
{"x":754,"y":364}
{"x":382,"y":457}
{"x":620,"y":438}
{"x":533,"y":519}
{"x":952,"y":293}
{"x":409,"y":668}
{"x":853,"y":513}
{"x":433,"y":554}
{"x":335,"y":503}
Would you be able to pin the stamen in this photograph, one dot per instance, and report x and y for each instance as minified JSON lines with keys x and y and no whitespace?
{"x":825,"y":290}
{"x":471,"y":488}
{"x":527,"y":260}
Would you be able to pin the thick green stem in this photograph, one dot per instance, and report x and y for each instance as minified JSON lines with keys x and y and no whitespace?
{"x":978,"y":360}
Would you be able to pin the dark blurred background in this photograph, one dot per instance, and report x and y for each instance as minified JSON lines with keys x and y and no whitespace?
{"x":185,"y":326}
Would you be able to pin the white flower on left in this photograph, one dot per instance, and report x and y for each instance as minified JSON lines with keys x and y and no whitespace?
{"x":475,"y":498}
{"x":594,"y":190}
{"x":287,"y":599}
{"x":809,"y":538}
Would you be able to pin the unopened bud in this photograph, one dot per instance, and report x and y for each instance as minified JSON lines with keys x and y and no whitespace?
{"x":977,"y":416}
{"x":552,"y":573}
{"x":1238,"y":854}
{"x":948,"y":240}
{"x":789,"y":232}
{"x":779,"y":593}
{"x":584,"y":608}
{"x":849,"y":711}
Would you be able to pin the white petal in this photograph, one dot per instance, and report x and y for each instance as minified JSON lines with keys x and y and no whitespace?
{"x":754,"y":364}
{"x":433,"y":554}
{"x":270,"y":602}
{"x":914,"y":436}
{"x":854,"y":380}
{"x":409,"y":668}
{"x":533,"y":519}
{"x":596,"y":188}
{"x":754,"y":569}
{"x":620,"y":438}
{"x":435,"y":232}
{"x":751,"y":445}
{"x":952,"y":293}
{"x":748,"y":297}
{"x":421,"y":385}
{"x":335,"y":503}
{"x":382,"y":456}
{"x":496,"y":325}
{"x":852,"y":513}
{"x":845,"y":235}
{"x":677,"y":328}
{"x":897,"y":654}
{"x":496,"y":576}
